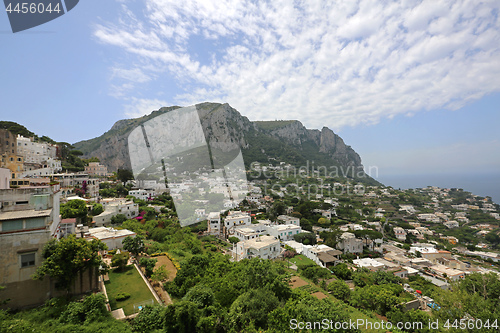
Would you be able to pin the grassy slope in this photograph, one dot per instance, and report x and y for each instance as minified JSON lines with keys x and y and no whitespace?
{"x":128,"y":281}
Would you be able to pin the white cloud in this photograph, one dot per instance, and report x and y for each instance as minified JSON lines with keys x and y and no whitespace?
{"x":138,"y":107}
{"x":338,"y":64}
{"x":134,"y":75}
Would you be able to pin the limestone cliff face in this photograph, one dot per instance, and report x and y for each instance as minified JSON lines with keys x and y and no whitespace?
{"x":327,"y":141}
{"x":226,"y":128}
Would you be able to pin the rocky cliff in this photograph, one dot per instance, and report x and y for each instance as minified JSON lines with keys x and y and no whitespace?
{"x":261,"y":141}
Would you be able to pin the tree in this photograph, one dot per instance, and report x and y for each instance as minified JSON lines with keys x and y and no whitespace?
{"x":134,"y":245}
{"x":339,"y":289}
{"x":83,"y":255}
{"x":74,"y":208}
{"x":302,"y":307}
{"x":306,"y":238}
{"x":97,"y":209}
{"x":181,"y":317}
{"x":492,"y":238}
{"x":323,"y":221}
{"x":148,"y":264}
{"x":202,"y":295}
{"x":160,"y":274}
{"x":120,"y":260}
{"x":124,"y":175}
{"x":233,"y":239}
{"x":252,"y":307}
{"x":91,"y":309}
{"x":149,"y":318}
{"x":342,"y":271}
{"x":118,"y":219}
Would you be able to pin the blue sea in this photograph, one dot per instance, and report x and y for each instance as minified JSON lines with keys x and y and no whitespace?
{"x":478,"y":184}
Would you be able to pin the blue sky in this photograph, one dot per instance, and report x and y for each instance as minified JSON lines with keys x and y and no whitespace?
{"x":412,"y":86}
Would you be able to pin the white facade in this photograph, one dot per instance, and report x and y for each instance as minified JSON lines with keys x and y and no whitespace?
{"x":47,"y":168}
{"x":284,"y":232}
{"x":142,"y":194}
{"x":96,"y":169}
{"x":400,"y":233}
{"x":35,"y":152}
{"x":350,"y":244}
{"x":5,"y":177}
{"x":265,"y":247}
{"x":111,"y":237}
{"x":252,"y":231}
{"x":115,"y":207}
{"x":236,"y":219}
{"x":312,"y":252}
{"x":289,"y":220}
{"x":213,"y":223}
{"x":452,"y":224}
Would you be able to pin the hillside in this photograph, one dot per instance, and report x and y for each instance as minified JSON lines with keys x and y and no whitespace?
{"x":261,"y":141}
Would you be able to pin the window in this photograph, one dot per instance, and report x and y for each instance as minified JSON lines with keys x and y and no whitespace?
{"x":12,"y":225}
{"x":28,"y":260}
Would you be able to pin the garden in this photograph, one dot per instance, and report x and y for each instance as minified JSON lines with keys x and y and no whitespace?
{"x":126,"y":288}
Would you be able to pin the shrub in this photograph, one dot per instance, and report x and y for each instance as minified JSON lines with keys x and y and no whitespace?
{"x":340,"y":290}
{"x":91,"y":309}
{"x":149,"y":318}
{"x":149,"y":265}
{"x":122,"y":296}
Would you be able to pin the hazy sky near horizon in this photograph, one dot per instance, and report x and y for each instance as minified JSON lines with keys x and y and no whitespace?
{"x":412,"y":86}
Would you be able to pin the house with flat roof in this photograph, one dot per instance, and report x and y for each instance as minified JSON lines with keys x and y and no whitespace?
{"x":264,"y":247}
{"x":113,"y":238}
{"x":213,"y":223}
{"x":350,"y":244}
{"x":29,"y":218}
{"x":113,"y":207}
{"x":369,"y":263}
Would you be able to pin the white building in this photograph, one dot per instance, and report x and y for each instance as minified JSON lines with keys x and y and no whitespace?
{"x":35,"y":152}
{"x":284,"y":232}
{"x":5,"y":176}
{"x":213,"y":223}
{"x":111,"y":237}
{"x":113,"y":207}
{"x":408,"y":208}
{"x":47,"y":168}
{"x":289,"y":220}
{"x":323,"y":255}
{"x":29,"y":218}
{"x":429,"y":218}
{"x":452,"y":224}
{"x":265,"y":247}
{"x":236,"y":219}
{"x":368,"y":263}
{"x":142,"y":194}
{"x":400,"y":233}
{"x":96,"y":169}
{"x":350,"y":244}
{"x":251,"y":231}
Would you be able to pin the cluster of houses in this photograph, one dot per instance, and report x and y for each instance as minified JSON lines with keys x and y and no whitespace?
{"x":29,"y":218}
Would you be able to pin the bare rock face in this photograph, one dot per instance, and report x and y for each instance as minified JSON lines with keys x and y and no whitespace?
{"x":224,"y":129}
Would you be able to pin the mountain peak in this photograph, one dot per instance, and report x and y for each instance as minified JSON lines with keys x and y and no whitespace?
{"x":286,"y":141}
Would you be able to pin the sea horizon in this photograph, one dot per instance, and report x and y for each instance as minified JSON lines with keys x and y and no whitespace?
{"x":486,"y":184}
